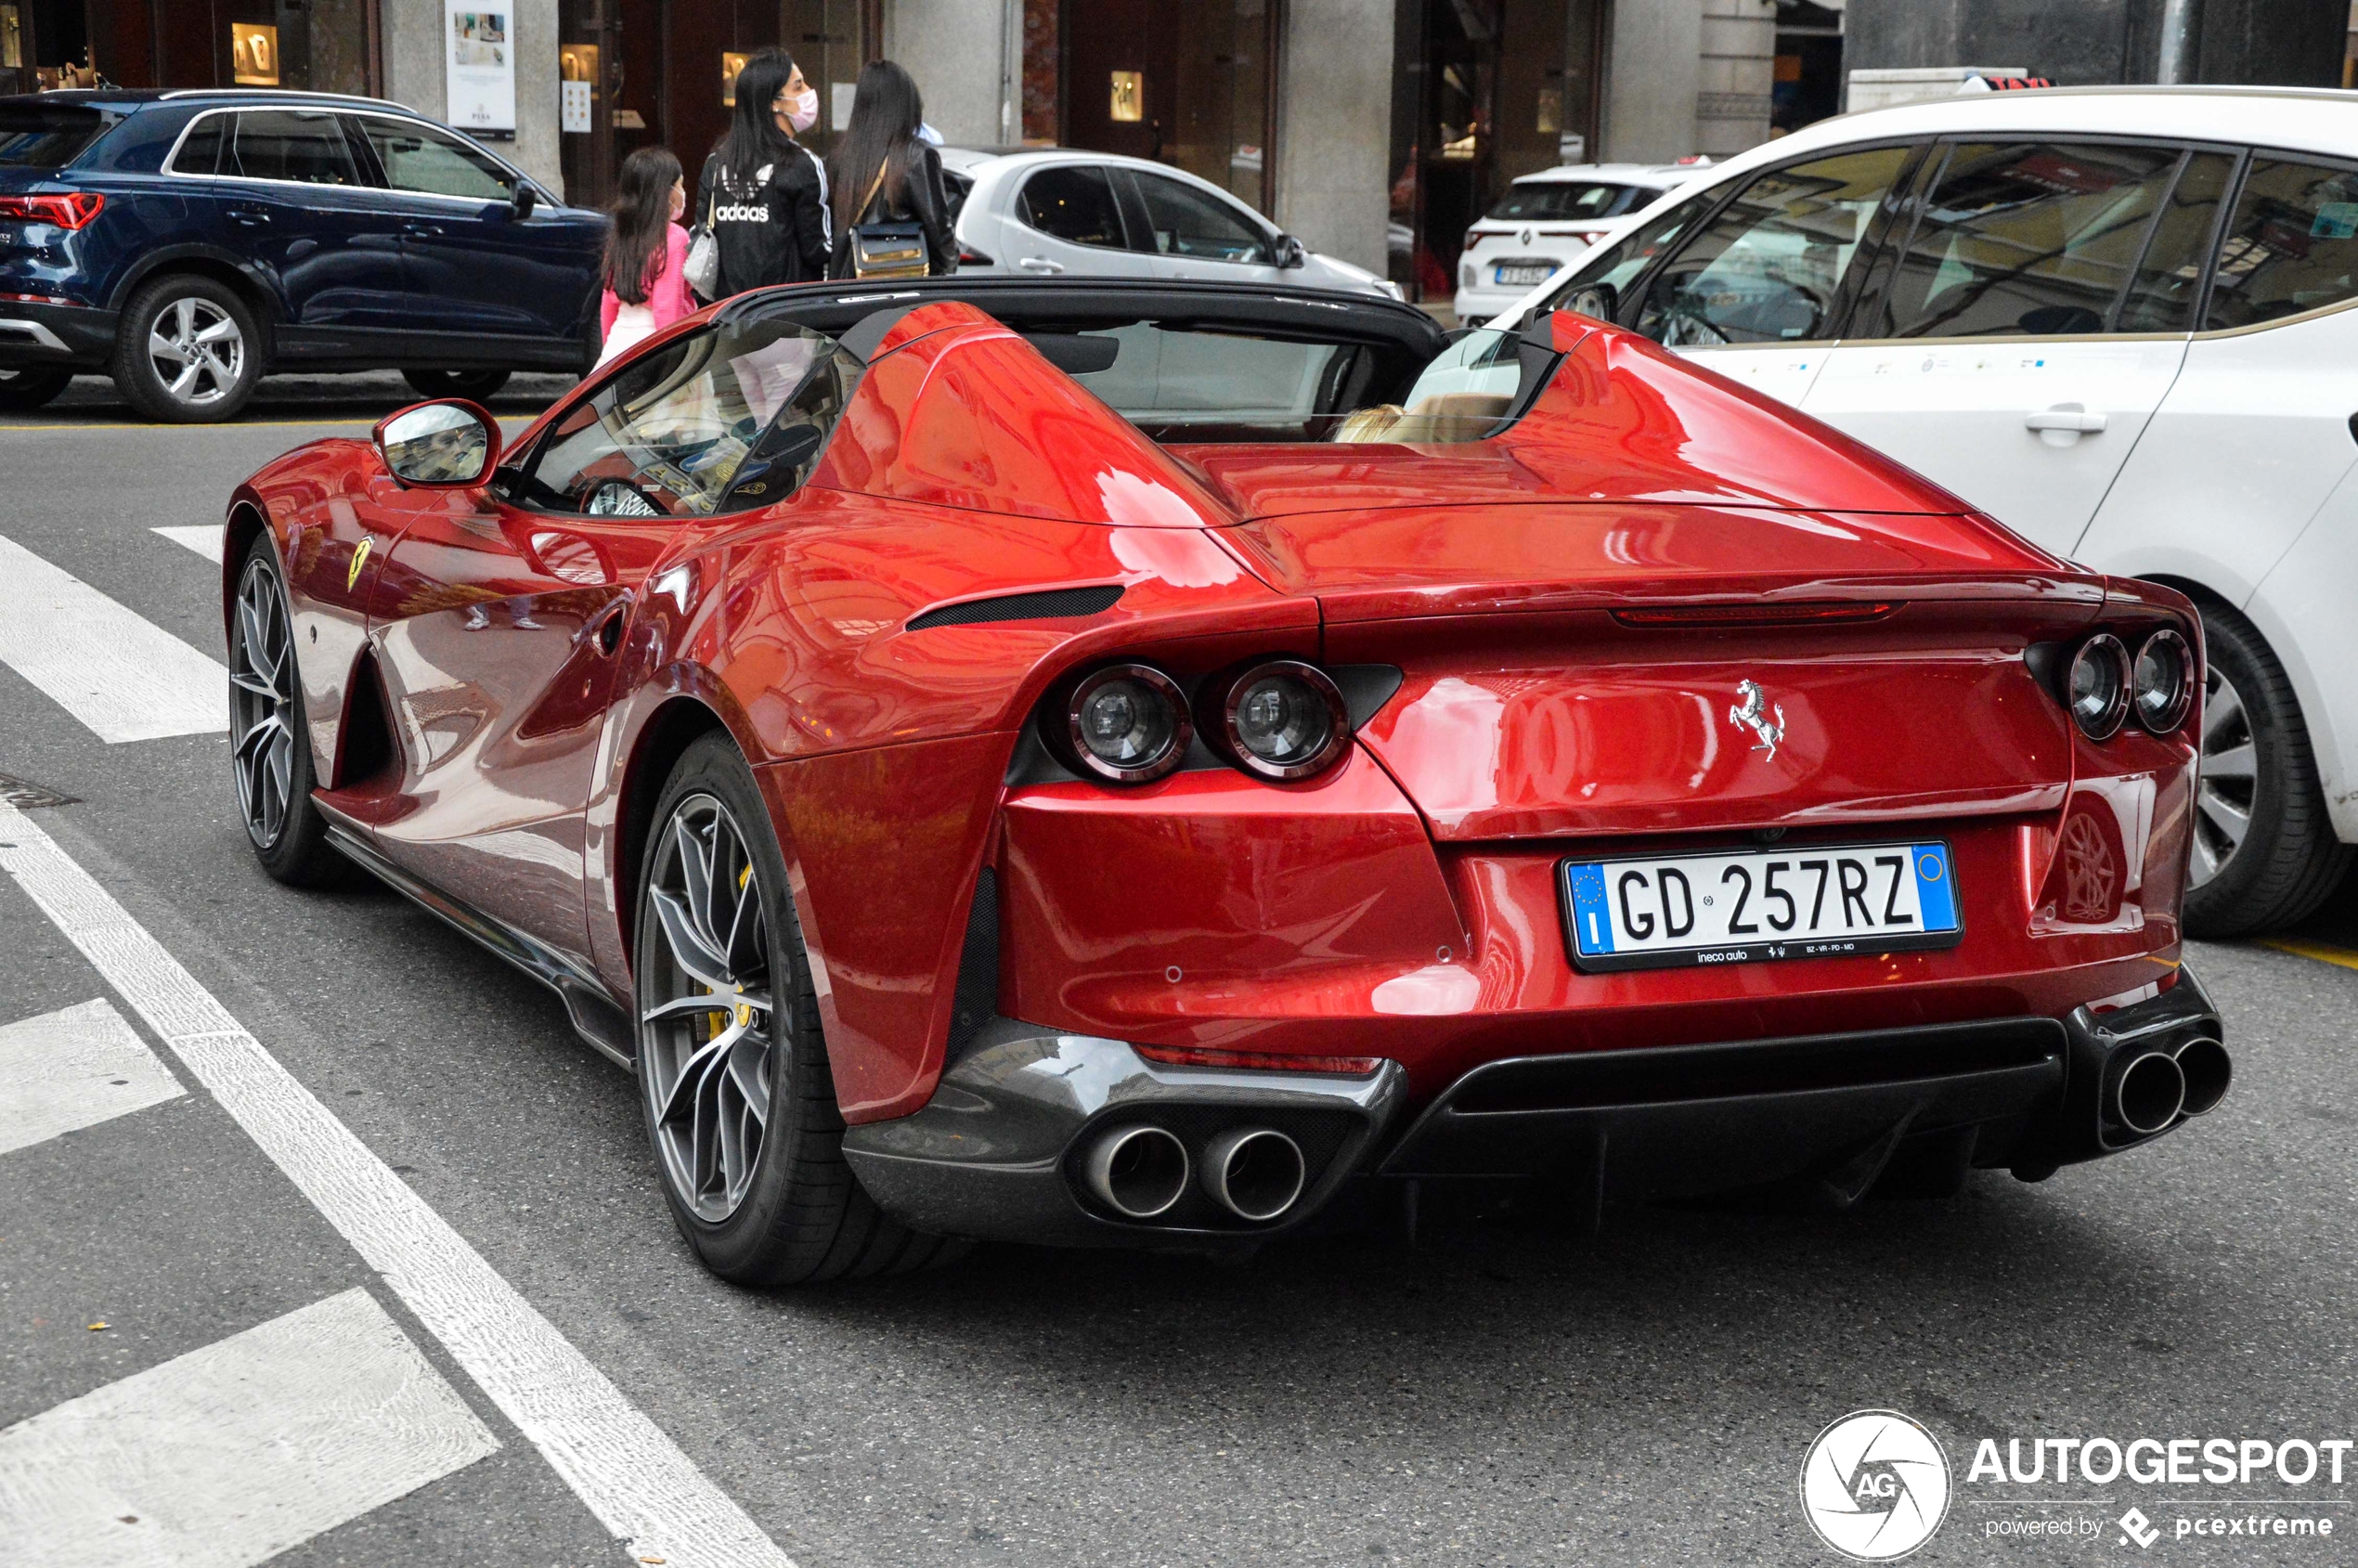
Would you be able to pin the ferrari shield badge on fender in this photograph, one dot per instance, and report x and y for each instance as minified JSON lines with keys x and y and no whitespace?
{"x":360,"y":559}
{"x":1751,"y":711}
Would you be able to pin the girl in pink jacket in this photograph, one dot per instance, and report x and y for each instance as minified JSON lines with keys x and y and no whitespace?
{"x":646,"y":252}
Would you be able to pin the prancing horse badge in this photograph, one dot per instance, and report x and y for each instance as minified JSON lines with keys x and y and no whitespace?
{"x":1751,"y":712}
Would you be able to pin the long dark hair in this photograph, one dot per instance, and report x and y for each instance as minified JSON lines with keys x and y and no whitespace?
{"x":753,"y":138}
{"x":886,"y":112}
{"x":642,"y":215}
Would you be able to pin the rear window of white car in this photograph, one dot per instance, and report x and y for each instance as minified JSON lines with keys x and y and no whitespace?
{"x":2292,"y":245}
{"x":1560,"y":201}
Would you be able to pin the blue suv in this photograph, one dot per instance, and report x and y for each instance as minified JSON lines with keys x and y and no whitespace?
{"x":187,"y":242}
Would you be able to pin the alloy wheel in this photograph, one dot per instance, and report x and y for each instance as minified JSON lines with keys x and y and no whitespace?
{"x":709,"y":1039}
{"x":2228,"y":781}
{"x":261,"y":699}
{"x":198,"y":351}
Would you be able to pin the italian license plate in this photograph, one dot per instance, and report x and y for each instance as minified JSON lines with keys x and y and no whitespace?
{"x":1523,"y":276}
{"x":1745,"y":906}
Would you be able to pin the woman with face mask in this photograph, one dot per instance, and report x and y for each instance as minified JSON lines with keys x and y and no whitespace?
{"x":763,"y":195}
{"x":885,"y":172}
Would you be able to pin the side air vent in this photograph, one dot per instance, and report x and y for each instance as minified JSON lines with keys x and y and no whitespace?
{"x":1051,"y":604}
{"x":976,"y":998}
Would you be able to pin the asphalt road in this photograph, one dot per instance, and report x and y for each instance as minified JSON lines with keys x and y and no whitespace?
{"x":1499,"y":1396}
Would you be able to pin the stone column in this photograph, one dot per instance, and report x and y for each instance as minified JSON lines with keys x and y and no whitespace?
{"x":414,"y":51}
{"x":1735,"y":76}
{"x":959,"y":52}
{"x":1334,"y":132}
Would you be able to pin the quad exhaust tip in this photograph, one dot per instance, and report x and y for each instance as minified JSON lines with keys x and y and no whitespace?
{"x":1254,"y":1173}
{"x":2149,"y":1092}
{"x":2204,"y":1066}
{"x":1137,"y":1171}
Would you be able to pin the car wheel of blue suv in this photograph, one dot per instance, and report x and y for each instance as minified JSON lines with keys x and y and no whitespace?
{"x":187,"y":351}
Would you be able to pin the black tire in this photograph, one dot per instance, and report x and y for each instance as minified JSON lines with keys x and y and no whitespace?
{"x":801,"y":1218}
{"x":2288,"y":861}
{"x":184,"y":308}
{"x":291,"y":839}
{"x":23,"y":391}
{"x":473,"y":385}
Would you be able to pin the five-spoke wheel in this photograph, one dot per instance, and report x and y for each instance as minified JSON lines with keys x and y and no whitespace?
{"x":733,"y":1065}
{"x":709,"y":1031}
{"x":2264,"y":850}
{"x":189,"y":350}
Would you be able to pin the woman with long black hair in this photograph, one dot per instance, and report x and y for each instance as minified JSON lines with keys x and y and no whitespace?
{"x":882,"y":171}
{"x":763,"y":195}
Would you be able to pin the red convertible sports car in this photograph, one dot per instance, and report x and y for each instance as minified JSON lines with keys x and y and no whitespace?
{"x":1173,"y":765}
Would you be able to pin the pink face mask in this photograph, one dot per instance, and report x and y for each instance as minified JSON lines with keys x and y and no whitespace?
{"x":803,"y":113}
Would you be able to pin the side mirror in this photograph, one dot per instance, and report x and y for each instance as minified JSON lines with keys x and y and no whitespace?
{"x":1290,"y":252}
{"x":447,"y":445}
{"x":526,"y":199}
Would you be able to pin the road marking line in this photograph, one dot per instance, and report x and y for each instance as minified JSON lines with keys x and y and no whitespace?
{"x":2318,"y":951}
{"x":232,"y":1453}
{"x":620,"y":1464}
{"x":202,"y":537}
{"x":123,"y":677}
{"x":75,"y":1069}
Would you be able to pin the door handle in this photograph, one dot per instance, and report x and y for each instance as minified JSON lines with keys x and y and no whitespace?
{"x":251,"y":217}
{"x":421,"y":230}
{"x":1039,"y":264}
{"x":2064,"y":417}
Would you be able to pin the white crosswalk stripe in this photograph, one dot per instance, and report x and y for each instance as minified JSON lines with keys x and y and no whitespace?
{"x":623,"y":1467}
{"x":232,"y":1453}
{"x":124,"y":678}
{"x":74,"y":1068}
{"x":202,"y":537}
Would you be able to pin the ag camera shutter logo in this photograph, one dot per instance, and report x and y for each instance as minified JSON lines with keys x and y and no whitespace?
{"x":1875,"y":1485}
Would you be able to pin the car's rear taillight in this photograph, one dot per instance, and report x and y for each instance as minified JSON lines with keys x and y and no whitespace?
{"x":67,"y":209}
{"x":969,"y":256}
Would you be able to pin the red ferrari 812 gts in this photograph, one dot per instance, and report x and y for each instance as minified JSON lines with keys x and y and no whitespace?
{"x":1174,"y":765}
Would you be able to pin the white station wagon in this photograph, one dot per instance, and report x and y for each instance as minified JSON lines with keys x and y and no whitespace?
{"x":2121,"y":321}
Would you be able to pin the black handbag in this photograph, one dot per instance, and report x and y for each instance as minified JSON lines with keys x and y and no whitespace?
{"x":886,"y":250}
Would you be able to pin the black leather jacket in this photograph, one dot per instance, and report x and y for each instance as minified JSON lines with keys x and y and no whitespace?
{"x":778,"y":231}
{"x":925,"y":200}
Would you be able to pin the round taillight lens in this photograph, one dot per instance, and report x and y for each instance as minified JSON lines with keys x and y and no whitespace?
{"x":1280,"y":720}
{"x":1127,"y":723}
{"x":2100,"y":686}
{"x":2161,"y":682}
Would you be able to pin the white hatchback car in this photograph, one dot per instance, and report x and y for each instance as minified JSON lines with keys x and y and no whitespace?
{"x":1059,"y":212}
{"x":2124,"y":321}
{"x":1543,"y":223}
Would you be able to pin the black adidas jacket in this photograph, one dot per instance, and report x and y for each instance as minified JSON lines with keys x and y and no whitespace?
{"x":778,"y":231}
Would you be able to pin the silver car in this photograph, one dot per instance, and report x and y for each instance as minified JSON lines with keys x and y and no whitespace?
{"x":1058,"y":211}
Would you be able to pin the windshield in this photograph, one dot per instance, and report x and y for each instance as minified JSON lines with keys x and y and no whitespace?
{"x":46,"y":135}
{"x":1545,"y":200}
{"x":732,"y":415}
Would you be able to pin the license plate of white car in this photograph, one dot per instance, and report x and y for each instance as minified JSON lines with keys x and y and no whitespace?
{"x":1749,"y":905}
{"x":1523,"y":277}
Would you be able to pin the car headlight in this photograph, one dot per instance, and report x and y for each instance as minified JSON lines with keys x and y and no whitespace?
{"x":1127,"y":723}
{"x":2100,"y":686}
{"x":2161,"y":682}
{"x":1280,"y":718}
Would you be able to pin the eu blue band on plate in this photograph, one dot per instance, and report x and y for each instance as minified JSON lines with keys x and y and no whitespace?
{"x":1935,"y":888}
{"x":1593,"y":926}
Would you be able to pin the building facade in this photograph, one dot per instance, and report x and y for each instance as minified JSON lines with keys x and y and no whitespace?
{"x":1376,"y":130}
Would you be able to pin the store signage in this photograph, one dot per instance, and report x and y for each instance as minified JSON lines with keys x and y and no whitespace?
{"x":479,"y":67}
